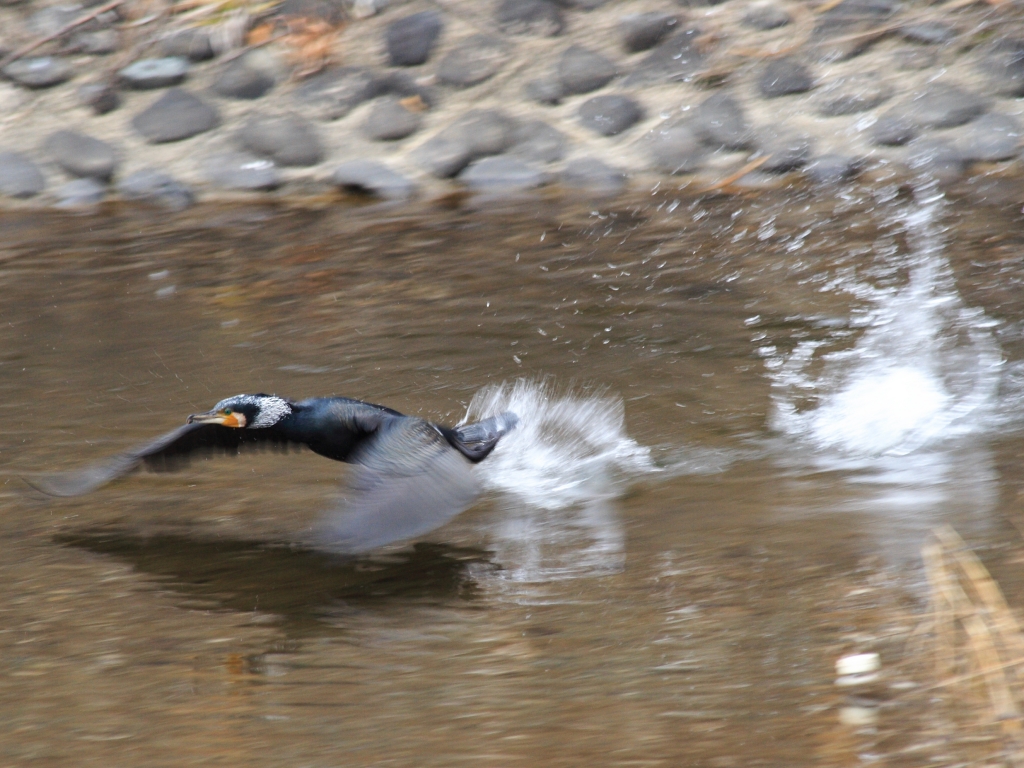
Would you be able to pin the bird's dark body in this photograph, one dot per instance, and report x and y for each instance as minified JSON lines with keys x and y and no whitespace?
{"x":413,"y":474}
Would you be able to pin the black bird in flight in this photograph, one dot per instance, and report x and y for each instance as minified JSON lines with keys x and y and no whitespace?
{"x":410,"y":475}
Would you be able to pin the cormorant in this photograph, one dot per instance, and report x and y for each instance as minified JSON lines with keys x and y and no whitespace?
{"x":410,"y":477}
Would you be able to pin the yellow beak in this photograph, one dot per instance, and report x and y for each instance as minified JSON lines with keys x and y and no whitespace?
{"x":216,"y":417}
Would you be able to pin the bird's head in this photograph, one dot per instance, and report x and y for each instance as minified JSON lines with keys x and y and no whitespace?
{"x":245,"y":411}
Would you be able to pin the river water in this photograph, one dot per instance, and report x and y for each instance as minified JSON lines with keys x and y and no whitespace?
{"x":741,"y":418}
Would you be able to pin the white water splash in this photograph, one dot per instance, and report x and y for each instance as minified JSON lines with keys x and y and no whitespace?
{"x":567,"y":449}
{"x":925,"y":369}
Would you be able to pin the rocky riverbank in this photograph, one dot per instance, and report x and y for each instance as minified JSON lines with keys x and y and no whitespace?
{"x":174,"y":102}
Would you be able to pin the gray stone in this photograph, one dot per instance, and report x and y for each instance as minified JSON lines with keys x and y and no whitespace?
{"x":848,"y":29}
{"x":537,"y":142}
{"x":851,"y":94}
{"x":677,"y":59}
{"x":239,"y":80}
{"x":40,"y":72}
{"x":502,"y":174}
{"x":19,"y":176}
{"x":641,"y":31}
{"x":100,"y":97}
{"x":242,"y":171}
{"x":288,"y":140}
{"x":401,"y":84}
{"x":473,"y":60}
{"x":675,"y":149}
{"x":610,"y":115}
{"x":946,"y":106}
{"x":48,"y":21}
{"x":582,"y":71}
{"x":80,"y":193}
{"x":787,"y":150}
{"x":719,"y":122}
{"x":833,"y":168}
{"x":1003,"y":66}
{"x":192,"y":43}
{"x":389,"y":120}
{"x":784,"y":76}
{"x":529,"y":17}
{"x":97,"y":42}
{"x":410,"y":40}
{"x":336,"y":92}
{"x":151,"y":185}
{"x":936,"y":159}
{"x":544,"y":91}
{"x":373,"y":178}
{"x":928,"y":32}
{"x":765,"y":16}
{"x":990,"y":138}
{"x":82,"y":155}
{"x":155,"y":73}
{"x":330,"y":11}
{"x":176,"y":115}
{"x":893,"y":129}
{"x":593,"y":176}
{"x":476,"y":134}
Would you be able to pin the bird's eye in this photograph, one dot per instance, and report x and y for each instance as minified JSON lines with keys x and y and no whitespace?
{"x":227,"y":411}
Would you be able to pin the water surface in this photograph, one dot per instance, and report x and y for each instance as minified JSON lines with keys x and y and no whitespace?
{"x":741,"y":418}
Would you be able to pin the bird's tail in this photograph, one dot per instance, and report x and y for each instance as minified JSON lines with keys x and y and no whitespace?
{"x":487,"y":430}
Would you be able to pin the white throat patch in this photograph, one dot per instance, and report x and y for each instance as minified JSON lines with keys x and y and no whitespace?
{"x":272,"y":410}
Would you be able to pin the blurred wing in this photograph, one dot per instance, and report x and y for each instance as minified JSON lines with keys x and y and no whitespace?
{"x":167,"y":453}
{"x":407,"y":481}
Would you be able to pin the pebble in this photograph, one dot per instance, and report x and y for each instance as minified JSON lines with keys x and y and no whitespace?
{"x":242,"y":171}
{"x":19,"y":176}
{"x":945,"y":106}
{"x":80,"y":193}
{"x":544,"y":91}
{"x":787,"y":150}
{"x":401,"y":84}
{"x":389,"y":120}
{"x":288,"y":140}
{"x":677,"y":59}
{"x":675,"y":149}
{"x":936,"y":159}
{"x":473,"y":60}
{"x":192,"y":43}
{"x":156,"y":186}
{"x":893,"y":129}
{"x":580,"y":70}
{"x":155,"y":73}
{"x":476,"y":134}
{"x":82,"y":155}
{"x":240,"y":79}
{"x":99,"y":97}
{"x":719,"y":121}
{"x":928,"y":32}
{"x":1003,"y":66}
{"x":40,"y":72}
{"x":50,"y":20}
{"x":336,"y":92}
{"x":833,"y":168}
{"x":990,"y":138}
{"x":176,"y":115}
{"x":502,"y":174}
{"x":913,"y":59}
{"x":784,"y":76}
{"x":594,"y":176}
{"x":98,"y":42}
{"x":373,"y":178}
{"x":410,"y":40}
{"x":537,"y":142}
{"x":766,"y":16}
{"x":610,"y":115}
{"x":851,"y":94}
{"x":315,"y":10}
{"x":641,"y":31}
{"x":529,"y":17}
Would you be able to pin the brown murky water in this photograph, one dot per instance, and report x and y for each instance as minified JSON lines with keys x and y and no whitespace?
{"x":689,"y":617}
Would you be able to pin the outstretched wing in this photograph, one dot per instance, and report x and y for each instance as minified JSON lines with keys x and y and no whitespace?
{"x":407,"y":481}
{"x":167,"y":453}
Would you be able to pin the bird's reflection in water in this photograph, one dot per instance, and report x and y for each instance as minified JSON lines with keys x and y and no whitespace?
{"x":310,"y":591}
